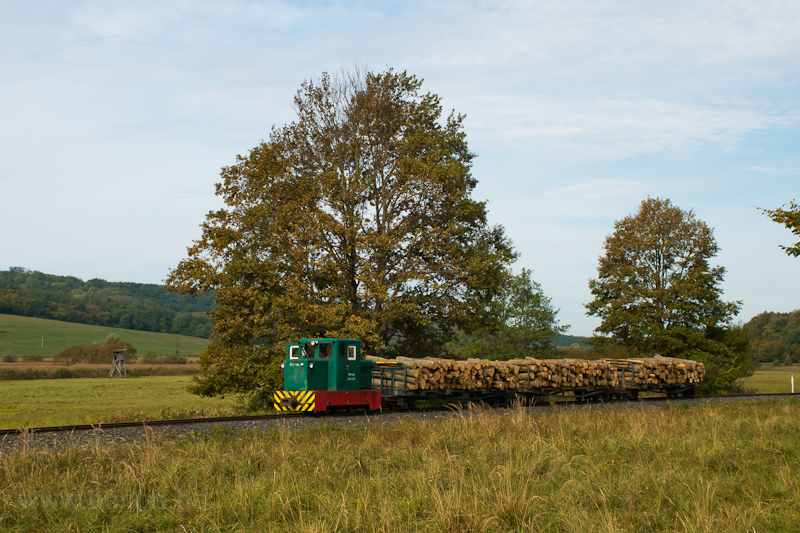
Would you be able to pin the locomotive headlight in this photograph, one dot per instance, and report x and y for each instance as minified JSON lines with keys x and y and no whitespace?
{"x":283,"y":365}
{"x":310,"y":365}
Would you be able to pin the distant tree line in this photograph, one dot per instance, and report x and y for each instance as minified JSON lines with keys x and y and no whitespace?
{"x":138,"y":306}
{"x":775,"y":337}
{"x":575,"y":341}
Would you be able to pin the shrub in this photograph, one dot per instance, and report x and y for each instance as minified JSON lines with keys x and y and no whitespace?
{"x":63,"y":373}
{"x":35,"y":358}
{"x":149,"y":355}
{"x":7,"y":374}
{"x":10,"y":357}
{"x":94,"y":353}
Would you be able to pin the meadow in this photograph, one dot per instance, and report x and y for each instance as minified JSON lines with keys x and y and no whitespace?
{"x":27,"y":336}
{"x":712,"y":467}
{"x":51,"y":402}
{"x":773,"y":379}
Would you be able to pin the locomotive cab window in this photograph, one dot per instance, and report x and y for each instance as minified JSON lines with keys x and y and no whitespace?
{"x":325,"y":350}
{"x":294,"y":352}
{"x":351,"y":353}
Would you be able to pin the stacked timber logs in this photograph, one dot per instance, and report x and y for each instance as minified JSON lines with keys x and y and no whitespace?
{"x":668,"y":370}
{"x":530,"y":373}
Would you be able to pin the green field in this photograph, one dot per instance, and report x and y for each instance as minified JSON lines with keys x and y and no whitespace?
{"x":51,"y":402}
{"x":35,"y":336}
{"x":773,"y":379}
{"x":708,"y":468}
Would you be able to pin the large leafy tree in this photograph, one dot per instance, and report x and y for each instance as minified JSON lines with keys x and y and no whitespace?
{"x":791,"y":219}
{"x":356,"y":220}
{"x":656,"y":293}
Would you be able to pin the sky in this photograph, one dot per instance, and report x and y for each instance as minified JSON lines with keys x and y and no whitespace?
{"x":116,"y":118}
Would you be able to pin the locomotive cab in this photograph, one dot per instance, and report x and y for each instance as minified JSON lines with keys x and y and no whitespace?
{"x":323,"y":374}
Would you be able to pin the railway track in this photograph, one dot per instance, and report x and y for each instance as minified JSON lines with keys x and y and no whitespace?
{"x":139,"y":424}
{"x":565,"y":401}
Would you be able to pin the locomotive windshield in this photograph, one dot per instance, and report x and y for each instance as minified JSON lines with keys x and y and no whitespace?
{"x":308,"y":351}
{"x":322,"y":350}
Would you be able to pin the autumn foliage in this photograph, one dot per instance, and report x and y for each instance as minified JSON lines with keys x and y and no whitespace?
{"x":791,"y":219}
{"x":358,"y":221}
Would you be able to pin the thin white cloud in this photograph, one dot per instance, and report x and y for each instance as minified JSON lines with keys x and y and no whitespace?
{"x":611,"y":128}
{"x":270,"y":104}
{"x":590,"y":36}
{"x":97,"y":20}
{"x":599,"y":191}
{"x":771,"y":170}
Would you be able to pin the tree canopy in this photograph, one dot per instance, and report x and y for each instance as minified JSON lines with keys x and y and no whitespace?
{"x":526,"y":327}
{"x":791,"y":219}
{"x":656,"y":293}
{"x":356,"y":220}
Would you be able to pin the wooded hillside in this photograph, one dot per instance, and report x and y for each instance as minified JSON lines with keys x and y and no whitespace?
{"x":775,"y":337}
{"x":139,"y":306}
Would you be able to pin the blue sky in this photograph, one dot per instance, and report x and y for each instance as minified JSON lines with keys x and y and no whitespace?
{"x":117,"y":117}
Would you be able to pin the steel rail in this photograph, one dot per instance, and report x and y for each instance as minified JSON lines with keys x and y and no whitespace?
{"x":143,"y":423}
{"x":105,"y":426}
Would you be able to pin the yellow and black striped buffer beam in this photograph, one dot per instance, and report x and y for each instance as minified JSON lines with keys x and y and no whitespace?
{"x":294,"y":400}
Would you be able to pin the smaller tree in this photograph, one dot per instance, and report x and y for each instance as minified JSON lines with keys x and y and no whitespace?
{"x":111,"y":338}
{"x":791,"y":219}
{"x":149,"y":354}
{"x":523,"y":323}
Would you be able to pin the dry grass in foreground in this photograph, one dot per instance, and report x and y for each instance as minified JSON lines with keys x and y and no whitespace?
{"x":715,"y":467}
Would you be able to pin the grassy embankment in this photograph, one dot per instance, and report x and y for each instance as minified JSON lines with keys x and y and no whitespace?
{"x":89,"y":401}
{"x":35,"y":336}
{"x":715,"y":467}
